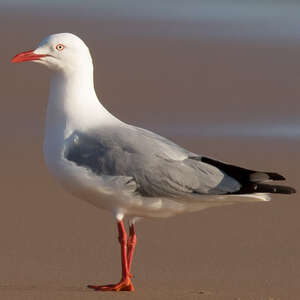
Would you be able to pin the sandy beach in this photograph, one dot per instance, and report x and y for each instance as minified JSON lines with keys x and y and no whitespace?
{"x":53,"y":245}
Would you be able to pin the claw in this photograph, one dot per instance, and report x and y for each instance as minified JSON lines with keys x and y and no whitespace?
{"x":126,"y":258}
{"x":124,"y":285}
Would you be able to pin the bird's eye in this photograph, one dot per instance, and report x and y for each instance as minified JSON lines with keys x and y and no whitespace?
{"x":60,"y":47}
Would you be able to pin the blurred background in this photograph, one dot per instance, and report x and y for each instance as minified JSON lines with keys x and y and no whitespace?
{"x":220,"y":78}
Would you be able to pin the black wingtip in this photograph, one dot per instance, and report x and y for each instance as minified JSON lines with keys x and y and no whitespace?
{"x":293,"y":191}
{"x":241,"y":174}
{"x":276,"y":189}
{"x":254,"y":188}
{"x":275,"y":176}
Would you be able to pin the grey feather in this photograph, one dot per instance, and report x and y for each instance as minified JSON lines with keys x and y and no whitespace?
{"x":159,"y":167}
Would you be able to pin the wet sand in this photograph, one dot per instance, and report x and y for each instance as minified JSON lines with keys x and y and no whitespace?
{"x":53,"y":245}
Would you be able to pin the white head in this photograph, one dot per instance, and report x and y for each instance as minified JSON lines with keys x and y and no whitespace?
{"x":64,"y":52}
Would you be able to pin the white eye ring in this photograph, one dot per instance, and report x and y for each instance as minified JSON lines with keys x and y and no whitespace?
{"x":60,"y":47}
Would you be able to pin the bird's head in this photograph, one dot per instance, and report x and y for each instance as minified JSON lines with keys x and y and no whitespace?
{"x":61,"y":52}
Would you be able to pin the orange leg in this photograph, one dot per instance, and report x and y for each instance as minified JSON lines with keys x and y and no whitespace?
{"x":131,"y":242}
{"x":125,"y":283}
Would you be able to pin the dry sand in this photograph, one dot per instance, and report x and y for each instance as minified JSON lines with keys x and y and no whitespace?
{"x":52,"y":245}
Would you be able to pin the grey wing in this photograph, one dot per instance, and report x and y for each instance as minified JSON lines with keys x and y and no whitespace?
{"x":172,"y":171}
{"x":188,"y":177}
{"x":150,"y":163}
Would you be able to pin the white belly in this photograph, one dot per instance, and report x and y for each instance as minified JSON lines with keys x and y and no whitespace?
{"x":106,"y":193}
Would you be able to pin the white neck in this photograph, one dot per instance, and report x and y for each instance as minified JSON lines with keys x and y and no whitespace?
{"x":73,"y":103}
{"x":72,"y":106}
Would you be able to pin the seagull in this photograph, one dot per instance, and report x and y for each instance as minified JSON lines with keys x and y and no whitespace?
{"x":127,"y":170}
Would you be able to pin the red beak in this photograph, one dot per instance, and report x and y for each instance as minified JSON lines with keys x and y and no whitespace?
{"x":27,"y":56}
